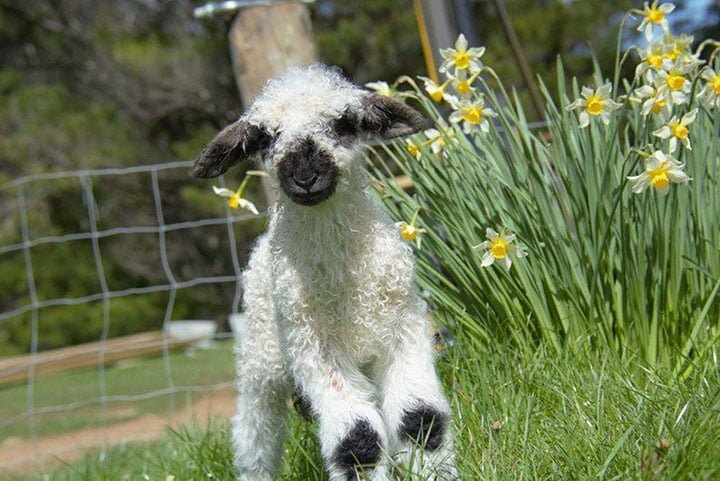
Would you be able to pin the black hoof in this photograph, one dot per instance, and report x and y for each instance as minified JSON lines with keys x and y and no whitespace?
{"x":424,"y":425}
{"x":360,"y":449}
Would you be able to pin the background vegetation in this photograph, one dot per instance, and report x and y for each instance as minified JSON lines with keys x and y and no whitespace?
{"x":87,"y":84}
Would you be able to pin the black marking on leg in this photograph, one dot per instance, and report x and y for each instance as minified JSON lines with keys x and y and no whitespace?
{"x":360,"y":449}
{"x":423,"y":424}
{"x":302,"y":404}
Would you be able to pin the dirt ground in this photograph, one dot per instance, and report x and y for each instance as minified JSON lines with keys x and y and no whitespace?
{"x":20,"y":455}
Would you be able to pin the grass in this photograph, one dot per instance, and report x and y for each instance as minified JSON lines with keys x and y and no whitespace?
{"x":199,"y":368}
{"x":517,"y":416}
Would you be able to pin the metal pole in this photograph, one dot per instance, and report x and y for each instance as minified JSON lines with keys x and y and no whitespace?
{"x":434,"y":24}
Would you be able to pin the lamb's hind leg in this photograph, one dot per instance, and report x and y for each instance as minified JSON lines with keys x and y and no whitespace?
{"x":258,"y":428}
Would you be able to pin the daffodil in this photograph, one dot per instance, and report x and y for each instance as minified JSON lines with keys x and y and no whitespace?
{"x":652,"y":101}
{"x":471,"y":113}
{"x":435,"y":91}
{"x":595,"y":103}
{"x":409,"y":231}
{"x":235,"y":198}
{"x":461,"y":57}
{"x":380,"y":87}
{"x":438,"y":140}
{"x":678,"y":50}
{"x":500,"y":248}
{"x":654,"y":14}
{"x":710,"y":94}
{"x":413,"y":148}
{"x":677,"y":129}
{"x":673,"y":84}
{"x":462,"y":84}
{"x":654,"y":58}
{"x":660,"y":170}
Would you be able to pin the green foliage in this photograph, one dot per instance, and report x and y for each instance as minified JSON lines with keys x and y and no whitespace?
{"x":369,"y":40}
{"x":638,"y":274}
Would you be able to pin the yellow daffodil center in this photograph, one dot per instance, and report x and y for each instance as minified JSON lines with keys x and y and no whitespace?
{"x":463,"y":87}
{"x":408,"y":232}
{"x":673,"y":54}
{"x":680,"y":131}
{"x":462,"y":60}
{"x":436,"y":95}
{"x":413,"y":149}
{"x":655,"y":15}
{"x":234,"y":201}
{"x":715,"y":84}
{"x":656,"y":60}
{"x":658,"y":177}
{"x":499,"y":248}
{"x":594,"y":105}
{"x":472,"y":115}
{"x":675,"y":81}
{"x":440,"y":141}
{"x":658,"y":106}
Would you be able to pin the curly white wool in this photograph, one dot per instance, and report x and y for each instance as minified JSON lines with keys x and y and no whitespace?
{"x":331,"y":303}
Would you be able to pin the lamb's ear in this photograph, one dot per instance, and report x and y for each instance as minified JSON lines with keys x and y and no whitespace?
{"x":388,"y":118}
{"x":234,"y":143}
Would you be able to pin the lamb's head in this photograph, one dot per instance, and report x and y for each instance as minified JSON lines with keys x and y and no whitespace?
{"x":307,"y":128}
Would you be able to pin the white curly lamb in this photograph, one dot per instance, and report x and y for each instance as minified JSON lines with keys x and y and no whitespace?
{"x":333,"y":312}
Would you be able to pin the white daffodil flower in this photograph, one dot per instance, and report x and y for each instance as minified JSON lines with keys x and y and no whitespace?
{"x":461,"y":57}
{"x":673,"y":84}
{"x":438,"y":140}
{"x":235,"y":199}
{"x":595,"y":103}
{"x":677,"y":129}
{"x":409,"y":231}
{"x":654,"y":15}
{"x":653,"y":102}
{"x":380,"y":87}
{"x":471,"y":113}
{"x":710,"y":94}
{"x":678,"y":50}
{"x":500,"y":248}
{"x":660,"y":171}
{"x":654,"y":58}
{"x":435,"y":91}
{"x":413,"y":148}
{"x":462,"y":84}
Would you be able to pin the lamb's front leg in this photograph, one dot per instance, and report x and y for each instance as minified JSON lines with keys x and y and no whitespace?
{"x":415,"y":409}
{"x":353,"y":441}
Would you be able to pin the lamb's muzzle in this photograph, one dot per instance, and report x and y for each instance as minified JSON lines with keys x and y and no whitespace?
{"x":307,"y":173}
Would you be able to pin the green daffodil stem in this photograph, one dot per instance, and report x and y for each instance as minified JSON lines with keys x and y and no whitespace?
{"x":414,"y":217}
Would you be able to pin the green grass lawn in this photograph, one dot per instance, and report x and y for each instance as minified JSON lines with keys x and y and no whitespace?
{"x":517,"y":417}
{"x":198,"y":368}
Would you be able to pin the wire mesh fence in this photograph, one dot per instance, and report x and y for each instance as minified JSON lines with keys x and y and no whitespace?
{"x":43,"y":406}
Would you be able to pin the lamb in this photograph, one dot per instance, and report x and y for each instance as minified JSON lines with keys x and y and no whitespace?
{"x":333,"y":312}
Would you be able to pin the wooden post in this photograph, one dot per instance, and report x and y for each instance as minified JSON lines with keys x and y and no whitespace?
{"x":264,"y":42}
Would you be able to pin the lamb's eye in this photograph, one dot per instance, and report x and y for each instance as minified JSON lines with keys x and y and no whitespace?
{"x":345,"y":126}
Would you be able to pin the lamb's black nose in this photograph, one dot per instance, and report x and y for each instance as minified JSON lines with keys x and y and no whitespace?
{"x":305,"y":179}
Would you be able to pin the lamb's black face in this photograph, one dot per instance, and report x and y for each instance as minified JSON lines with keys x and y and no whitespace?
{"x":308,"y":174}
